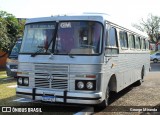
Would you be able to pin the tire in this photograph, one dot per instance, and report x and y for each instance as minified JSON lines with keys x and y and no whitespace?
{"x":139,"y":82}
{"x":155,"y":60}
{"x":105,"y":102}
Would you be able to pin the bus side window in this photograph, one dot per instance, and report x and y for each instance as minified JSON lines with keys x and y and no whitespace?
{"x":123,"y":39}
{"x":140,"y":42}
{"x":112,"y":37}
{"x":147,"y":45}
{"x":111,"y":41}
{"x":138,"y":46}
{"x":131,"y":40}
{"x":143,"y":44}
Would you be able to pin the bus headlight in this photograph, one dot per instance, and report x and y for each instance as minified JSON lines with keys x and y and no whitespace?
{"x":89,"y":85}
{"x":20,"y":81}
{"x":80,"y":85}
{"x":25,"y":81}
{"x":85,"y":85}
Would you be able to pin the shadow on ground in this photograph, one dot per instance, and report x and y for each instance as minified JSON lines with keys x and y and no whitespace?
{"x":114,"y":97}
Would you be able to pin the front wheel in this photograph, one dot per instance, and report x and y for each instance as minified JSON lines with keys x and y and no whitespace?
{"x":105,"y":102}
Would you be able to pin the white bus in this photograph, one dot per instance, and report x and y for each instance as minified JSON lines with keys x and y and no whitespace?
{"x":79,"y":59}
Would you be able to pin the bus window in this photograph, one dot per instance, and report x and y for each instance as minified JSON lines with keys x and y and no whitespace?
{"x":147,"y":44}
{"x":75,"y":37}
{"x":131,"y":41}
{"x":111,"y":41}
{"x":123,"y":39}
{"x":143,"y":44}
{"x":112,"y":38}
{"x":138,"y":46}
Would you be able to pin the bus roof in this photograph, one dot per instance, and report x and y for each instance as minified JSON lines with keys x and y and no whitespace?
{"x":100,"y":17}
{"x":95,"y":17}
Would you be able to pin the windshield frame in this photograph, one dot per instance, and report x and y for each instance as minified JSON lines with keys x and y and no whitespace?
{"x":54,"y":38}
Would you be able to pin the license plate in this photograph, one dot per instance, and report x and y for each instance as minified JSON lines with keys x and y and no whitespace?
{"x":48,"y":98}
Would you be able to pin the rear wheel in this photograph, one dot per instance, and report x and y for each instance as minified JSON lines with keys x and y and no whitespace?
{"x":139,"y":82}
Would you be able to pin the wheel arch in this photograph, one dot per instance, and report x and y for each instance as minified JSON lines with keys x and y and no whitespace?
{"x":112,"y":83}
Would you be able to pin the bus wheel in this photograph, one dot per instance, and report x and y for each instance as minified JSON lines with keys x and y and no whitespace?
{"x":105,"y":102}
{"x":139,"y":82}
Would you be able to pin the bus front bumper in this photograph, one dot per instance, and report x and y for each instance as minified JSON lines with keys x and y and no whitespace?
{"x":55,"y":96}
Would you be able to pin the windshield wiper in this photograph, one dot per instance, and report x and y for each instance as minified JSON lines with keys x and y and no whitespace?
{"x":54,"y":38}
{"x":70,"y":55}
{"x":43,"y":47}
{"x":38,"y":51}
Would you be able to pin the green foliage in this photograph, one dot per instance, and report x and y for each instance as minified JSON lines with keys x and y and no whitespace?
{"x":10,"y":30}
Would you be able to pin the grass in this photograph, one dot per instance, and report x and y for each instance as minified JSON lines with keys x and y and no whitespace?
{"x":8,"y":94}
{"x":152,"y":52}
{"x":5,"y":91}
{"x":2,"y":74}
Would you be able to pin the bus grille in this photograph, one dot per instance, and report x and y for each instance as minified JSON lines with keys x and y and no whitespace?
{"x":51,"y":68}
{"x":54,"y":81}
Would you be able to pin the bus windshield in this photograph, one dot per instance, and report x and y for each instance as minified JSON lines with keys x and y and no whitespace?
{"x":75,"y":37}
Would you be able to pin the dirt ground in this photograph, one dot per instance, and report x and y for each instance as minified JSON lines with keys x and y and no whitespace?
{"x":137,"y":100}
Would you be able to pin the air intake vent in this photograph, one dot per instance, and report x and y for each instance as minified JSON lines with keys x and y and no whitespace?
{"x":53,"y":81}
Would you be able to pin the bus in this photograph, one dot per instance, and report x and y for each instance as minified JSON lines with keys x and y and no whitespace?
{"x":80,"y":59}
{"x":12,"y":60}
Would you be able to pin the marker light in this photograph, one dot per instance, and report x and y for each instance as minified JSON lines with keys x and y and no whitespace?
{"x":90,"y":76}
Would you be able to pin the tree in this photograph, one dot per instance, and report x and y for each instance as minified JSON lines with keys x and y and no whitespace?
{"x":3,"y":32}
{"x":151,"y":26}
{"x":10,"y":30}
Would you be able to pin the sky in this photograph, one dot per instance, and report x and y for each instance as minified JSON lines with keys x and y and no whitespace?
{"x":127,"y":11}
